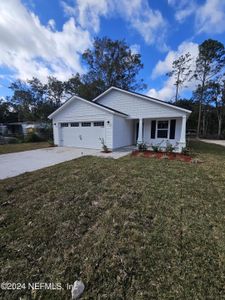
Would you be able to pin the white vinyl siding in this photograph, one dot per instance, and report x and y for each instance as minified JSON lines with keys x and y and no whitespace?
{"x":122,"y":132}
{"x":137,"y":107}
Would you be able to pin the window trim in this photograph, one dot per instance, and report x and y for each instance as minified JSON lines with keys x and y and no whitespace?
{"x":97,"y":122}
{"x":74,"y":123}
{"x":169,"y":129}
{"x":163,"y":129}
{"x":64,"y":124}
{"x":82,"y":124}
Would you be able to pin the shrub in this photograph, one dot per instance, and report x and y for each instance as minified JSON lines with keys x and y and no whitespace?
{"x":185,"y":151}
{"x":155,"y":148}
{"x":11,"y":140}
{"x":51,"y":143}
{"x":104,"y":147}
{"x":32,"y":138}
{"x":46,"y":133}
{"x":142,"y":147}
{"x":169,"y":147}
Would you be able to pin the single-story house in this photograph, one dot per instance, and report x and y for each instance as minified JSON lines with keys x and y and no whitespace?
{"x":121,"y":118}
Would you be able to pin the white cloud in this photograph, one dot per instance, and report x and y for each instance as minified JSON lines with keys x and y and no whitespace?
{"x":149,"y":23}
{"x":29,"y":48}
{"x":210,"y":17}
{"x":87,"y":12}
{"x":69,"y":10}
{"x":51,"y":24}
{"x":184,"y":8}
{"x":167,"y":92}
{"x":165,"y":66}
{"x":135,"y":49}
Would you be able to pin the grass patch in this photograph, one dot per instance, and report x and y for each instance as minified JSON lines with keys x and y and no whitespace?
{"x":207,"y":148}
{"x":11,"y":148}
{"x":130,"y":229}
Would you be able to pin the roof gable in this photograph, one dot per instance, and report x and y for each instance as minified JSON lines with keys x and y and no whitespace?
{"x":96,"y":105}
{"x":154,"y":100}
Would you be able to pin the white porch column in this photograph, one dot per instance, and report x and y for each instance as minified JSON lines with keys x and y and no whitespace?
{"x":140,"y":138}
{"x":183,"y":133}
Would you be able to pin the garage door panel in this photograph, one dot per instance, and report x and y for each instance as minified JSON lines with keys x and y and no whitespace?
{"x":83,"y":137}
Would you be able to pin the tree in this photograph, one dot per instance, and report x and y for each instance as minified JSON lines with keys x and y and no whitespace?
{"x":73,"y":85}
{"x":217,"y":90}
{"x":206,"y":105}
{"x":110,"y":63}
{"x":181,"y":71}
{"x":55,"y":91}
{"x":4,"y":110}
{"x":37,"y":88}
{"x":43,"y":105}
{"x":209,"y":64}
{"x":189,"y":104}
{"x":33,"y":100}
{"x":22,"y":100}
{"x":221,"y":109}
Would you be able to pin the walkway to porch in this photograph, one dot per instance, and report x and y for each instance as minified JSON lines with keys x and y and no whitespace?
{"x":117,"y":153}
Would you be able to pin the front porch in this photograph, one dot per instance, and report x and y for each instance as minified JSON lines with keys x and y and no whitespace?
{"x":161,"y":132}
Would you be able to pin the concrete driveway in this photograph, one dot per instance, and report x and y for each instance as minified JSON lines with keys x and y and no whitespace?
{"x":217,"y":142}
{"x":13,"y":164}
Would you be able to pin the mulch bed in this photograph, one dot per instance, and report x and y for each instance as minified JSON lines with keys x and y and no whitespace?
{"x":106,"y":151}
{"x":162,"y":155}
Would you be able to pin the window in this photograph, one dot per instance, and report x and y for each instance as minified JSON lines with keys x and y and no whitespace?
{"x":99,"y":124}
{"x":64,"y":124}
{"x":86,"y":124}
{"x":74,"y":124}
{"x":162,"y":129}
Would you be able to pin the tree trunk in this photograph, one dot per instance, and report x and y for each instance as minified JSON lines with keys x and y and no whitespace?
{"x":204,"y":124}
{"x":200,"y":108}
{"x":177,"y":87}
{"x":219,"y":127}
{"x":176,"y":96}
{"x":199,"y":118}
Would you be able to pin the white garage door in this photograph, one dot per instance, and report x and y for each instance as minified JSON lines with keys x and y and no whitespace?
{"x":83,"y":134}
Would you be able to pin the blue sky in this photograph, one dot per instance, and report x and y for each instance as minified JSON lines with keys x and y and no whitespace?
{"x":41,"y":38}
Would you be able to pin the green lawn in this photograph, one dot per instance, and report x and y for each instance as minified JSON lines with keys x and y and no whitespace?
{"x":133,"y":228}
{"x":10,"y":148}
